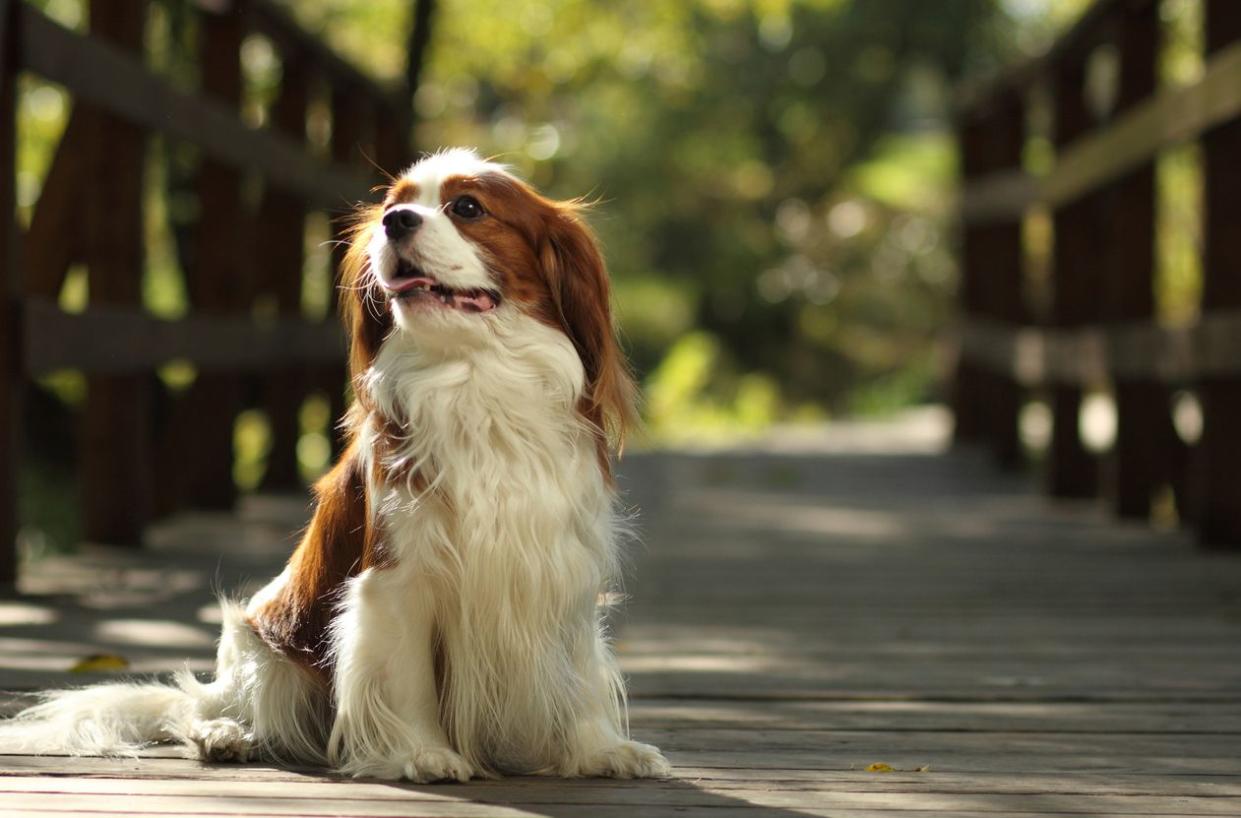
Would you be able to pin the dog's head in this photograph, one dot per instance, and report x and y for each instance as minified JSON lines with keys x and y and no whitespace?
{"x":458,"y":244}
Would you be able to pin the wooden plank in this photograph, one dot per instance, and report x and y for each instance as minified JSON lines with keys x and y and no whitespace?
{"x":499,"y":800}
{"x":388,"y":799}
{"x":1218,"y":474}
{"x":1092,"y":355}
{"x":1171,"y":117}
{"x":115,"y":460}
{"x":716,"y":779}
{"x":10,"y":292}
{"x":814,"y":613}
{"x":119,"y":340}
{"x":105,"y":77}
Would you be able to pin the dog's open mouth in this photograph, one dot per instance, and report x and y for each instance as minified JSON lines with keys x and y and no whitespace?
{"x":413,"y":285}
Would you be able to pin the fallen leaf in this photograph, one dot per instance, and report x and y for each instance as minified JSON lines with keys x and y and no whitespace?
{"x":879,"y":767}
{"x":99,"y":662}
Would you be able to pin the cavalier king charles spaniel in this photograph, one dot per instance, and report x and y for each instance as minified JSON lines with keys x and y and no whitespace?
{"x":441,"y":617}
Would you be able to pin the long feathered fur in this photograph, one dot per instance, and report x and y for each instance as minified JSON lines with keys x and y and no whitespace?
{"x":440,"y":617}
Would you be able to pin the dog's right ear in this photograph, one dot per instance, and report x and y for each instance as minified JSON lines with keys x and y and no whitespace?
{"x":367,"y":321}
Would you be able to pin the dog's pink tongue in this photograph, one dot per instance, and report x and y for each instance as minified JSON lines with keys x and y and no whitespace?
{"x":401,"y":285}
{"x":474,"y":302}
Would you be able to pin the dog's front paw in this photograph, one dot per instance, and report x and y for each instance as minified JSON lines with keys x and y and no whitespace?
{"x":431,"y":764}
{"x":627,"y":759}
{"x":221,"y":740}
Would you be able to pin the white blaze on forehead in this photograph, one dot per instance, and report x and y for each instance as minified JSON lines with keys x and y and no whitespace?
{"x":431,"y":172}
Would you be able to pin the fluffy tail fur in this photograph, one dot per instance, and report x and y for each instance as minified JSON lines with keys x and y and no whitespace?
{"x":260,"y":703}
{"x":109,"y":719}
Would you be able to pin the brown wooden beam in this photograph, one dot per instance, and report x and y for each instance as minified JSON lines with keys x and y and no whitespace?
{"x":417,"y":49}
{"x":115,"y":460}
{"x":1071,"y":469}
{"x":968,"y":412}
{"x":218,"y":284}
{"x":392,"y":141}
{"x":1142,"y":456}
{"x":273,"y":20}
{"x":106,"y":77}
{"x":1219,"y":466}
{"x":10,"y":283}
{"x":1173,"y":116}
{"x":55,"y":239}
{"x":352,"y":122}
{"x":1072,"y":46}
{"x":1002,"y":293}
{"x":128,"y":341}
{"x":282,"y":215}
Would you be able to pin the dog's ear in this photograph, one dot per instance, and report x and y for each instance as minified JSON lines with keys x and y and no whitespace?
{"x":578,"y":281}
{"x":366,"y":320}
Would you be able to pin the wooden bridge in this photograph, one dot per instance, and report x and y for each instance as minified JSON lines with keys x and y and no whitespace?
{"x":802,"y":612}
{"x":859,"y":620}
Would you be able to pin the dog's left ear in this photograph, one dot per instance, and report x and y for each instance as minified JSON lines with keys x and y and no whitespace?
{"x":579,"y":287}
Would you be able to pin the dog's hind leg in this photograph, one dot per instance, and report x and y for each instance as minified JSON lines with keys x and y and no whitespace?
{"x":260,"y":704}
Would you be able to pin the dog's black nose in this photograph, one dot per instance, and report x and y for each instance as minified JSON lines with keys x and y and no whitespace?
{"x":400,"y":222}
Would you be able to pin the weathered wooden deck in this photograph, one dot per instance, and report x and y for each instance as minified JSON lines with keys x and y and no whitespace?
{"x":801,"y":611}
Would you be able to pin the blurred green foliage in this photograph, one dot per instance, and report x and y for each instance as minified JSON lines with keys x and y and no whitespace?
{"x":775,"y":177}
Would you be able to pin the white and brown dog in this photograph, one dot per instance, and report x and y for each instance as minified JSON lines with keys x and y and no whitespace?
{"x":440,"y":618}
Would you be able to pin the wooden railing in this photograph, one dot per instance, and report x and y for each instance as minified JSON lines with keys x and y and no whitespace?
{"x":91,"y":211}
{"x":1100,"y":329}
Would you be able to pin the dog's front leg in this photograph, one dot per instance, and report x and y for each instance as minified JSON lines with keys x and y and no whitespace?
{"x":387,"y":708}
{"x":598,"y":744}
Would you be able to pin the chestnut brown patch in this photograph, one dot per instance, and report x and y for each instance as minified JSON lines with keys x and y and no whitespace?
{"x":338,"y":544}
{"x":549,"y":264}
{"x":401,"y":192}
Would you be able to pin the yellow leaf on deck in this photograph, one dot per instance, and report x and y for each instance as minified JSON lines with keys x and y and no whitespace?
{"x":879,"y":767}
{"x":99,"y":662}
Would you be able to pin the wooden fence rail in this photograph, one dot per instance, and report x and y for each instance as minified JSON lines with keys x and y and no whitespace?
{"x":91,"y":211}
{"x":1100,"y":330}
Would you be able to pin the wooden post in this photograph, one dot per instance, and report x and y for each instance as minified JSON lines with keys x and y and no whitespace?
{"x":1071,"y":470}
{"x":10,"y":293}
{"x":282,"y":217}
{"x":115,"y":461}
{"x":967,"y":408}
{"x":349,"y":120}
{"x":1142,"y":451}
{"x":1002,"y":292}
{"x":392,"y":138}
{"x":1219,"y":469}
{"x":218,"y":285}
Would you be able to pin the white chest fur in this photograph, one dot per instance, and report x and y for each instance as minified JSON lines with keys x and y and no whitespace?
{"x":512,"y":540}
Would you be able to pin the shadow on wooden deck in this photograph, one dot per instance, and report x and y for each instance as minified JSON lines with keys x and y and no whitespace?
{"x":800,"y":610}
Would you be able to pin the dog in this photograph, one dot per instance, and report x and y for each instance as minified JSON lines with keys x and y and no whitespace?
{"x":440,"y":618}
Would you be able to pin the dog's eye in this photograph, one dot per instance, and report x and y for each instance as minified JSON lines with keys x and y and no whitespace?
{"x":467,"y":207}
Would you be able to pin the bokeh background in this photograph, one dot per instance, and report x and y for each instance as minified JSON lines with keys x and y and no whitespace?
{"x":775,"y":187}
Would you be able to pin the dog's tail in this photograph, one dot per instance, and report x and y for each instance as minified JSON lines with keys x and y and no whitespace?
{"x":108,"y":719}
